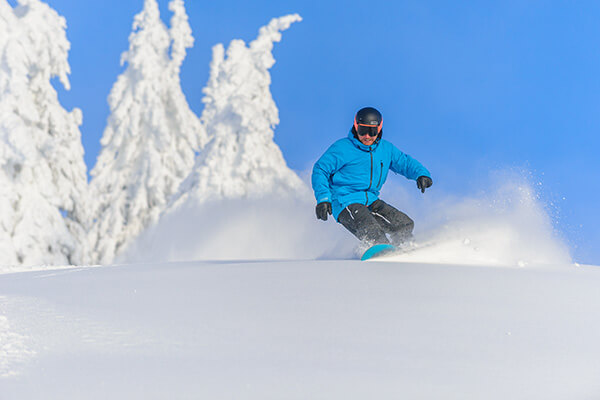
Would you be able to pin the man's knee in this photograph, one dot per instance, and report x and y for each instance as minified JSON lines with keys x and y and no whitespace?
{"x":359,"y":220}
{"x":352,"y":217}
{"x":353,"y":214}
{"x":409,"y":224}
{"x":394,"y":219}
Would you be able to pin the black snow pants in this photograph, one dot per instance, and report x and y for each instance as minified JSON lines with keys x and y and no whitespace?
{"x":370,"y":224}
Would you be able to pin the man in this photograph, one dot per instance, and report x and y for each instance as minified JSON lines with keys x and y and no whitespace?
{"x":347,"y":179}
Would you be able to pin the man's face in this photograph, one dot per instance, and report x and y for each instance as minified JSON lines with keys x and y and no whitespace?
{"x":367,"y":134}
{"x":367,"y":140}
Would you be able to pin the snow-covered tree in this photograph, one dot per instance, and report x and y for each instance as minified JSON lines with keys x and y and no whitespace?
{"x":149,"y":144}
{"x":43,"y":183}
{"x":241,"y":160}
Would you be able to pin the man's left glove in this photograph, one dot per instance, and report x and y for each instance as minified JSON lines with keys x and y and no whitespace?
{"x":423,"y":182}
{"x":323,"y":209}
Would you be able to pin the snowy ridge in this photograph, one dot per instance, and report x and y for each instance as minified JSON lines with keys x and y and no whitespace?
{"x":152,"y":134}
{"x":241,"y":160}
{"x":44,"y":199}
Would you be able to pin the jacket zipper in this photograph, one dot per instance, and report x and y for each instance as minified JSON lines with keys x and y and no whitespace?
{"x":380,"y":174}
{"x":370,"y":179}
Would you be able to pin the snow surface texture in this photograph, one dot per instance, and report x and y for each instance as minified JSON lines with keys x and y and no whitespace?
{"x":241,"y":160}
{"x":301,"y":330}
{"x":149,"y":145}
{"x":43,"y":184}
{"x":13,"y":350}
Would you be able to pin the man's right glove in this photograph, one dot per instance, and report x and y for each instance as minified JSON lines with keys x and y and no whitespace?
{"x":323,"y":209}
{"x":423,"y":182}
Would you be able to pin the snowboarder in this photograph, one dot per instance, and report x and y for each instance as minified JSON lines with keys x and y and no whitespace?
{"x":347,"y":179}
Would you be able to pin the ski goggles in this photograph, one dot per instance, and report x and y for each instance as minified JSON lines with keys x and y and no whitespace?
{"x":363,"y":130}
{"x":373,"y":129}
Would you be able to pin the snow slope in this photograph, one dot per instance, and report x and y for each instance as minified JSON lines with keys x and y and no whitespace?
{"x":338,"y":329}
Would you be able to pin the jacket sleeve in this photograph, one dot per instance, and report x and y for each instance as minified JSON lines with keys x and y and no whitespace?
{"x":323,"y":170}
{"x":404,"y":164}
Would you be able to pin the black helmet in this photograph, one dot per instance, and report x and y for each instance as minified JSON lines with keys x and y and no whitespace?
{"x":368,"y":121}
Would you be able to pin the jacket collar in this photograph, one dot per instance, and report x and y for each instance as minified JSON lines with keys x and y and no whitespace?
{"x":361,"y":146}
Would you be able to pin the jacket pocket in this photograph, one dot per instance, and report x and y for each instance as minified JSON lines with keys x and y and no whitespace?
{"x":380,"y":175}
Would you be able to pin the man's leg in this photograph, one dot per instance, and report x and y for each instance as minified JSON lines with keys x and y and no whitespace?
{"x":359,"y":220}
{"x":392,"y":221}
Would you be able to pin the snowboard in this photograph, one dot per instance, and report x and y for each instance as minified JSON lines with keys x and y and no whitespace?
{"x":377,"y":251}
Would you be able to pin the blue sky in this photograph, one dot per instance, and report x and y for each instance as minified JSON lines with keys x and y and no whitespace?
{"x":465,"y":87}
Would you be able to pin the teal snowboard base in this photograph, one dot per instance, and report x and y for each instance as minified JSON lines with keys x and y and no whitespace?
{"x":377,"y":251}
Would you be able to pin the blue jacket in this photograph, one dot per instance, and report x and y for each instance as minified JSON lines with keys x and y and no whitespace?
{"x":351,"y":172}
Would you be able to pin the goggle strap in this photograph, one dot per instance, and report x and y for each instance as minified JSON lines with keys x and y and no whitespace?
{"x":379,"y":126}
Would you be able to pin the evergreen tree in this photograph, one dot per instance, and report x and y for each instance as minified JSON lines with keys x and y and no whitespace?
{"x":43,"y":183}
{"x":149,"y":144}
{"x":241,"y":160}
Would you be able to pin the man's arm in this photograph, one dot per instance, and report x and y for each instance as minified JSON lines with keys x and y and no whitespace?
{"x":404,"y":164}
{"x":324,"y":168}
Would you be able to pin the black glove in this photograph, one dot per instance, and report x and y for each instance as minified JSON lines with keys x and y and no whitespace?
{"x":423,"y":182}
{"x":323,"y":209}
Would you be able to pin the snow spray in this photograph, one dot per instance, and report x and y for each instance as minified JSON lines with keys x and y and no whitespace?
{"x":506,"y":225}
